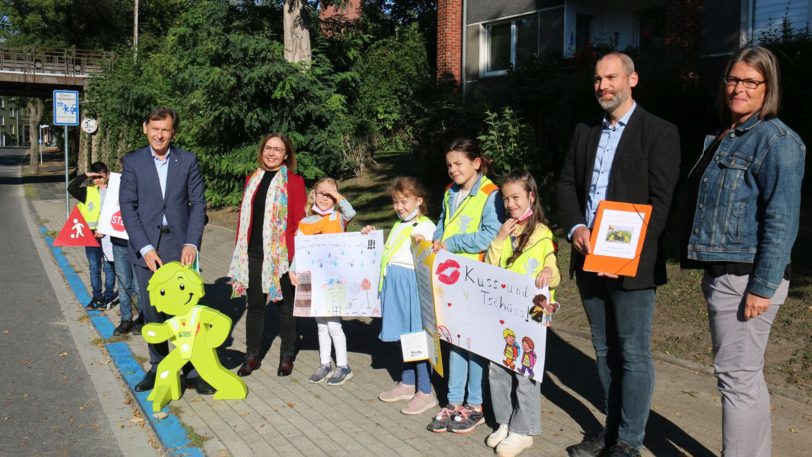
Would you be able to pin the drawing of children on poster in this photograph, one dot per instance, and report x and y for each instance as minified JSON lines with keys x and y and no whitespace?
{"x":511,"y":349}
{"x":528,"y":356}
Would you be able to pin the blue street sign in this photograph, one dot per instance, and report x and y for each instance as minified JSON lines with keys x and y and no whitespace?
{"x":66,"y":107}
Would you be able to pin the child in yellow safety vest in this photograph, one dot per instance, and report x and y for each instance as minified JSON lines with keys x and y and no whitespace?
{"x":327,"y":212}
{"x":91,"y":198}
{"x":523,"y":245}
{"x":471,"y":216}
{"x":399,"y":298}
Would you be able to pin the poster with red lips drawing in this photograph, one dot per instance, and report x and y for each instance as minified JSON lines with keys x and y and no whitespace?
{"x":486,"y":310}
{"x":423,"y":264}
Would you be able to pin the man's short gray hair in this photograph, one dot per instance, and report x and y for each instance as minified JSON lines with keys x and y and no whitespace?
{"x":628,"y":63}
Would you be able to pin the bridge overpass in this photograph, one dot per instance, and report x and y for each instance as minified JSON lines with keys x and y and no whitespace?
{"x":36,"y":72}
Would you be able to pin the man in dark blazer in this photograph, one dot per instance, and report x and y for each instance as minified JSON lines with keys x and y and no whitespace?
{"x":163,"y":206}
{"x":626,"y":155}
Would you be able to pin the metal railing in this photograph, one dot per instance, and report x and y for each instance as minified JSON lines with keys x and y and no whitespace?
{"x":71,"y":62}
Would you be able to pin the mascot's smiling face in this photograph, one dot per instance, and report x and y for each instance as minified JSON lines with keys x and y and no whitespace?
{"x":175,"y":289}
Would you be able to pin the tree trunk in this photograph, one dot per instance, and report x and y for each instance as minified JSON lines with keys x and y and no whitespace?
{"x":83,"y":151}
{"x":297,"y":37}
{"x":96,"y":151}
{"x":35,"y":108}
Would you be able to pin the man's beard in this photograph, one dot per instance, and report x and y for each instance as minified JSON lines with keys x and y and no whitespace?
{"x":616,"y":100}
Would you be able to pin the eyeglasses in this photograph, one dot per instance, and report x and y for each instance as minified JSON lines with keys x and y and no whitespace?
{"x":273,"y":149}
{"x":733,"y":81}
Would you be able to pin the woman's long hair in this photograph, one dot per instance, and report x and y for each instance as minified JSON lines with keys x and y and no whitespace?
{"x":524,"y":178}
{"x":763,"y":61}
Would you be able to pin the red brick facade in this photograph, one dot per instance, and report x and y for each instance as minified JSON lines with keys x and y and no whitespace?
{"x":333,"y":19}
{"x":449,"y":40}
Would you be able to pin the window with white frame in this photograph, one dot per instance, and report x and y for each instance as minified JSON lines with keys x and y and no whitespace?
{"x":769,"y":17}
{"x":506,"y":44}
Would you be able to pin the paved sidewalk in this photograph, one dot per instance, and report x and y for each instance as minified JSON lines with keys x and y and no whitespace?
{"x":290,"y":417}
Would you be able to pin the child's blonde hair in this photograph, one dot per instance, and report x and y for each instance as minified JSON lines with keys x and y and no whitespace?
{"x":311,"y":196}
{"x":407,"y":185}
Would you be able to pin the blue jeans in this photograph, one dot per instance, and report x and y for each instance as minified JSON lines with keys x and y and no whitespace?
{"x":95,"y":260}
{"x":417,"y":372}
{"x":127,"y":286}
{"x":620,"y":321}
{"x":465,"y":366}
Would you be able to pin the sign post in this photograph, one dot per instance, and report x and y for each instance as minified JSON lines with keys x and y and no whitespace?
{"x":66,"y":113}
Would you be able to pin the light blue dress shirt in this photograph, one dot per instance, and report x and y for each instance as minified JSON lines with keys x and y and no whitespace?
{"x":162,"y":167}
{"x":605,"y":155}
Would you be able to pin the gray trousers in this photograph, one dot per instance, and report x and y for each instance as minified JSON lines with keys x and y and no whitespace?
{"x":738,"y":348}
{"x":521,"y":414}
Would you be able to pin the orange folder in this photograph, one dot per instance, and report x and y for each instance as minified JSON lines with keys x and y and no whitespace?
{"x":617,"y":265}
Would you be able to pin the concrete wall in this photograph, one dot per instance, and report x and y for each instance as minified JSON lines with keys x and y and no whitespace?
{"x":479,"y":11}
{"x":550,"y":32}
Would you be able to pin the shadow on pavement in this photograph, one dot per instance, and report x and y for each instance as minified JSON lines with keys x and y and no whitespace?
{"x":577,"y":371}
{"x":572,"y":368}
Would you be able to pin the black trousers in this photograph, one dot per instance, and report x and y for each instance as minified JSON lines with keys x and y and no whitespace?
{"x":256,"y":306}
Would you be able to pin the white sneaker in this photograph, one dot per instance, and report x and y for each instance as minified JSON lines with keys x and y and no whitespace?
{"x":513,"y":445}
{"x":497,"y":436}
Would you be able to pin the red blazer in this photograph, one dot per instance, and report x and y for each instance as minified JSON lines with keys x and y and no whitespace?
{"x":297,"y":199}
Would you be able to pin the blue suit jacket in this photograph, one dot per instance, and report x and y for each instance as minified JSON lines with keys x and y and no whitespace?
{"x":143,"y":207}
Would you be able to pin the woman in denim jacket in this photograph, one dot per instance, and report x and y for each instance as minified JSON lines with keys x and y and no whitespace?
{"x":745,"y":195}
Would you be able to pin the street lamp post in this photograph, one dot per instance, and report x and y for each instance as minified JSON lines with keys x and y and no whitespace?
{"x":40,"y":141}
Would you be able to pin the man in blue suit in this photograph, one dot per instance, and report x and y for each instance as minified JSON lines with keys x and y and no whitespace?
{"x":163,"y":206}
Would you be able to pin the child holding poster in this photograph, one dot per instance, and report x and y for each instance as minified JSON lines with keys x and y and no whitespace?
{"x":523,"y":245}
{"x":398,"y":288}
{"x":91,"y":199}
{"x":471,"y":216}
{"x":323,"y":217}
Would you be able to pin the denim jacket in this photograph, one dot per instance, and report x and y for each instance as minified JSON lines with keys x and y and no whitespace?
{"x":749,"y":199}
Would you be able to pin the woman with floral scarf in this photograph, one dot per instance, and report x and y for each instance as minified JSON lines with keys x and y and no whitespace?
{"x":273,"y":203}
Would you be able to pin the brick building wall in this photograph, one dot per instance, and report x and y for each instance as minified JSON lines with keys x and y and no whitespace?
{"x":449,"y":40}
{"x":334,"y":19}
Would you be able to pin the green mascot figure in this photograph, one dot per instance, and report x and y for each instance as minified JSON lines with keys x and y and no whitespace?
{"x":196,"y":331}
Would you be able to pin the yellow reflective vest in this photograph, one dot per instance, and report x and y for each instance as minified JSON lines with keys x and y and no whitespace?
{"x":531,"y":261}
{"x":468,"y":216}
{"x":91,"y":208}
{"x":393,"y":244}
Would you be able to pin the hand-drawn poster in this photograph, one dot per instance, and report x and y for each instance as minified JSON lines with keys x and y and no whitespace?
{"x":487,"y":310}
{"x":423,"y":263}
{"x":344,"y":270}
{"x":110,"y":222}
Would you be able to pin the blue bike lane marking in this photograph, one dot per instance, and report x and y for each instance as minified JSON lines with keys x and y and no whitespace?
{"x":169,"y":430}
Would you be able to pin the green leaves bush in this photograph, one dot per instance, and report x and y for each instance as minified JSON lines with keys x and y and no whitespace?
{"x":221,"y":67}
{"x":231,"y":86}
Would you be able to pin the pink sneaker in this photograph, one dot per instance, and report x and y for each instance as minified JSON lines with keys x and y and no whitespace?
{"x":399,"y":392}
{"x":419,"y":404}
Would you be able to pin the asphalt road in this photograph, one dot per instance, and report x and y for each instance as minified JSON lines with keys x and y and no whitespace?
{"x":49,"y":406}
